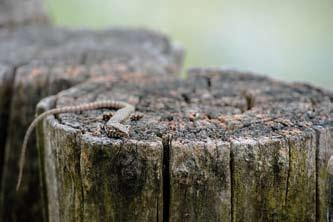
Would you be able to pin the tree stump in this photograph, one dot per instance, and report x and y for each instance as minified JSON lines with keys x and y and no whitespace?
{"x":220,"y":146}
{"x":37,"y":61}
{"x":22,"y":12}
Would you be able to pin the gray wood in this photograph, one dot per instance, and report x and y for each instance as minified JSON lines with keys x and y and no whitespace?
{"x":200,"y":181}
{"x":18,"y":12}
{"x":45,"y":60}
{"x":324,"y":145}
{"x":232,"y":146}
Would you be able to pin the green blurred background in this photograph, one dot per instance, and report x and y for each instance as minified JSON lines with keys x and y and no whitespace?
{"x":288,"y":40}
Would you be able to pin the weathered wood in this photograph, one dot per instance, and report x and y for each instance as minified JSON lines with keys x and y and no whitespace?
{"x":200,"y":181}
{"x":259,"y":179}
{"x":324,"y":146}
{"x":46,"y":60}
{"x":235,"y":146}
{"x":84,"y":185}
{"x":5,"y":95}
{"x":278,"y":156}
{"x":19,"y":12}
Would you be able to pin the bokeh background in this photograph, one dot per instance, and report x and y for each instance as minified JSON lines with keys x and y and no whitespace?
{"x":288,"y":40}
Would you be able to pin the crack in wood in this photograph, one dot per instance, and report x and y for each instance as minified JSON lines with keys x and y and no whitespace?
{"x":289,"y":171}
{"x":317,"y":135}
{"x":166,"y":141}
{"x":232,"y":182}
{"x":5,"y":112}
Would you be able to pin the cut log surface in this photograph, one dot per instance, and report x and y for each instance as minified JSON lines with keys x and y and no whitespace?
{"x":220,"y":146}
{"x":39,"y":61}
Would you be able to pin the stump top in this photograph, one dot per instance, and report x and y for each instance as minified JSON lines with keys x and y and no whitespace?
{"x":51,"y":45}
{"x":210,"y":105}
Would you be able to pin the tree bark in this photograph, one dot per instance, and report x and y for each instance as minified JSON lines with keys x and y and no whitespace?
{"x":39,"y":61}
{"x":220,"y":146}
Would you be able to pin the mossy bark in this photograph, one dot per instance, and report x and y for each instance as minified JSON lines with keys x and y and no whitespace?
{"x":260,"y":177}
{"x":200,"y":188}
